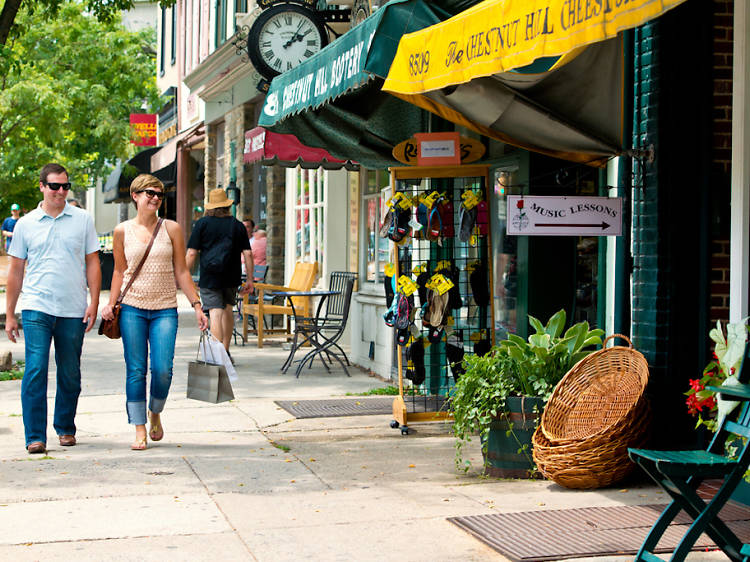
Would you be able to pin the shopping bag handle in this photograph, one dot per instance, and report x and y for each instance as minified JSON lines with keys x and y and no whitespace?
{"x":205,"y":334}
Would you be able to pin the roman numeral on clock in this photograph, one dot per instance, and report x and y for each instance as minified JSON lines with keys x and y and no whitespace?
{"x":308,"y":53}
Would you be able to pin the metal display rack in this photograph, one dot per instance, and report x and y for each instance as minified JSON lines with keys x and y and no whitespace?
{"x":468,"y":264}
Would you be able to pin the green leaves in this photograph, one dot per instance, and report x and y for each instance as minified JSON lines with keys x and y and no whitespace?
{"x":516,"y":367}
{"x":67,"y":88}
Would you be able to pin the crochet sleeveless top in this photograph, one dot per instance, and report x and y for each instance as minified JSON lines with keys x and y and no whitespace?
{"x":155,"y":287}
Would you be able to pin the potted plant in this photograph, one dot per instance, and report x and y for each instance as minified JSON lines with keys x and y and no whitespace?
{"x":723,"y":369}
{"x":501,"y":394}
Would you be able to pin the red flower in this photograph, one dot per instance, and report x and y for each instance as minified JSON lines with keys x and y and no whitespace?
{"x":519,"y":204}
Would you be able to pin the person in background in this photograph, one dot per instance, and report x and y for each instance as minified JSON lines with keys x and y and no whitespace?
{"x":10,"y":223}
{"x":259,"y":247}
{"x":249,"y":225}
{"x":220,"y":239}
{"x":57,"y":246}
{"x":148,"y":318}
{"x":74,"y":203}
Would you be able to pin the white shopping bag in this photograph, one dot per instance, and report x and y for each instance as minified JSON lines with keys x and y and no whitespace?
{"x":212,"y":350}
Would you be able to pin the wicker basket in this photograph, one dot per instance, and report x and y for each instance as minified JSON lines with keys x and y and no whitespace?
{"x":598,"y":461}
{"x":599,"y":392}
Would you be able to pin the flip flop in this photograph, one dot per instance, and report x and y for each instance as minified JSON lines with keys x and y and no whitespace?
{"x":466,"y":220}
{"x":483,"y":221}
{"x":139,"y":444}
{"x":480,"y":285}
{"x":482,"y":347}
{"x":422,"y":280}
{"x":383,"y":232}
{"x":446,"y":217}
{"x":454,"y":351}
{"x":454,"y":293}
{"x":415,"y":353}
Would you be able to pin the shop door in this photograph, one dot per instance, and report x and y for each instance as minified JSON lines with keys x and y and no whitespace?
{"x":539,"y":275}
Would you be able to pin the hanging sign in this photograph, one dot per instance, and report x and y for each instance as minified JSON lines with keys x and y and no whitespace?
{"x":564,"y":216}
{"x":470,"y":150}
{"x":143,"y":129}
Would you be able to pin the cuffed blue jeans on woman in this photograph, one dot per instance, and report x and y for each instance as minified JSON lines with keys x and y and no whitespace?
{"x":143,"y":329}
{"x":39,"y":330}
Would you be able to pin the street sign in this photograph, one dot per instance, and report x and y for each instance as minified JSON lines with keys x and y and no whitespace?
{"x":564,"y":216}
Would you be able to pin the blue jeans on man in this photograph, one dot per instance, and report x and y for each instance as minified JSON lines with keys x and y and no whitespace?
{"x":142,"y":329}
{"x":40,"y":330}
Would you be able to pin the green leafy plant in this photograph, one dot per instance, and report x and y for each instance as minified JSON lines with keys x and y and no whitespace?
{"x":515,"y":367}
{"x":15,"y":373}
{"x":378,"y":391}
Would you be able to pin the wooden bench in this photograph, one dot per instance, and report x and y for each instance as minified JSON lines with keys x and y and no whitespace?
{"x":302,"y":280}
{"x":680,"y":473}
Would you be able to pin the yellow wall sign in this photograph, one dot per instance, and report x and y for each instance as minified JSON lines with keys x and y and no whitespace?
{"x":499,"y":35}
{"x":407,"y":151}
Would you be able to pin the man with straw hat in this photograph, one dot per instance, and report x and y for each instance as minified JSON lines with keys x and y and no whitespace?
{"x":220,"y":239}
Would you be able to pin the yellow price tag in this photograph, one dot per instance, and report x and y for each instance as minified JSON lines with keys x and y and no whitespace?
{"x":473,"y":240}
{"x":406,"y":285}
{"x":450,"y":321}
{"x":430,"y":199}
{"x":389,"y":270}
{"x":470,"y":199}
{"x":440,"y":284}
{"x":421,"y":268}
{"x":443,"y":264}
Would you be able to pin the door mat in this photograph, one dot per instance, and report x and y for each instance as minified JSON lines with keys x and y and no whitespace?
{"x":532,"y":536}
{"x":337,"y":407}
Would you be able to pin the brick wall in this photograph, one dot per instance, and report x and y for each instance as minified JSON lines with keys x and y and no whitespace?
{"x":722,"y":150}
{"x":648,"y":292}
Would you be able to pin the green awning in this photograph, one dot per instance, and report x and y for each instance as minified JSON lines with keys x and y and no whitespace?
{"x":334,"y":100}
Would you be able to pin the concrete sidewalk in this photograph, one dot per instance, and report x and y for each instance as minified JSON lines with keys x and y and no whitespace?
{"x":244,"y":480}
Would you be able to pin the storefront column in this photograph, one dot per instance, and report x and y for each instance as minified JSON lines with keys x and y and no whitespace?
{"x":739,"y":253}
{"x":184,"y":189}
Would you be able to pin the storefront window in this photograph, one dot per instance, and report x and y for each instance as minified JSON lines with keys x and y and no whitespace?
{"x":308,"y":215}
{"x":505,"y":182}
{"x":375,"y":193}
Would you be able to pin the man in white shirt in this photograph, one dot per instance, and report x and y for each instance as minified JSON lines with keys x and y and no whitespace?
{"x":57,"y":246}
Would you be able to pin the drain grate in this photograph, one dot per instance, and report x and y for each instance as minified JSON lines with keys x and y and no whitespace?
{"x":337,"y":407}
{"x":587,"y":531}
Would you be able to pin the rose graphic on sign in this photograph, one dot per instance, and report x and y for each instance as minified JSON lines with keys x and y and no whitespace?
{"x":520,"y":220}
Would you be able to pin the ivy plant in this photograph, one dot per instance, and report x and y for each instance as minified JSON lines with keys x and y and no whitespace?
{"x":516,"y":367}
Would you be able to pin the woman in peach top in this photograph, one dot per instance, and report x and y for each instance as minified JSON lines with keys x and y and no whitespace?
{"x":148,"y":318}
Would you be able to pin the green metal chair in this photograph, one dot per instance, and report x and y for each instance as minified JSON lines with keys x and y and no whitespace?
{"x":681,"y":472}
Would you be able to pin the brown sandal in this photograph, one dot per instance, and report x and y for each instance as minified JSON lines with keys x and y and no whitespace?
{"x":156,"y":431}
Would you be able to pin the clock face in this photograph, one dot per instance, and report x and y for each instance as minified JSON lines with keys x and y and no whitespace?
{"x":284,"y":36}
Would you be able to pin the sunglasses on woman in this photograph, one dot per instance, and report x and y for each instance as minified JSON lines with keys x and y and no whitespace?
{"x":150,"y":193}
{"x":54,"y":186}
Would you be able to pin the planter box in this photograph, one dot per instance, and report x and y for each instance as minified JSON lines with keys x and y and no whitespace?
{"x":503,"y":459}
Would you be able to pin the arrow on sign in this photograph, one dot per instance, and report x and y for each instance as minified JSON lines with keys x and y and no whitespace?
{"x":603,"y":225}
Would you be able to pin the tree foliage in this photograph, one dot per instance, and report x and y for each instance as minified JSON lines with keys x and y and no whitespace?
{"x":67,"y":87}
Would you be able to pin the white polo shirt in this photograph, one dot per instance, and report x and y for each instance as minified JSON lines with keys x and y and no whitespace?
{"x":55,"y":251}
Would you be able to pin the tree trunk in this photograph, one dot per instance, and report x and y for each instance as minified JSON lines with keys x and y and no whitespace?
{"x":7,"y":17}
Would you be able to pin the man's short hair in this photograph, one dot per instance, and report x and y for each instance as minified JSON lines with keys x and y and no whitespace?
{"x":251,"y":221}
{"x":146,"y":181}
{"x":51,"y":168}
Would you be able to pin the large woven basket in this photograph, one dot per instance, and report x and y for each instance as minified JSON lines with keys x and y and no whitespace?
{"x":596,"y":394}
{"x":598,"y":461}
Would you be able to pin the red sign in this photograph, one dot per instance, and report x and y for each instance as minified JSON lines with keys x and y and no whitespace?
{"x":143,"y":129}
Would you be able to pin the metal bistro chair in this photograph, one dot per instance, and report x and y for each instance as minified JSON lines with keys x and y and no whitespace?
{"x":259,"y":276}
{"x":324,"y":331}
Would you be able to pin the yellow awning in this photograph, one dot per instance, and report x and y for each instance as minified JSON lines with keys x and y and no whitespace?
{"x":496,"y":36}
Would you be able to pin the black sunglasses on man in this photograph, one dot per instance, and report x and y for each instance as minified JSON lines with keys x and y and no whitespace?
{"x":54,"y":186}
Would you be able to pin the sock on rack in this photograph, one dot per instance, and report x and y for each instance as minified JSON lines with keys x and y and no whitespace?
{"x":480,"y":284}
